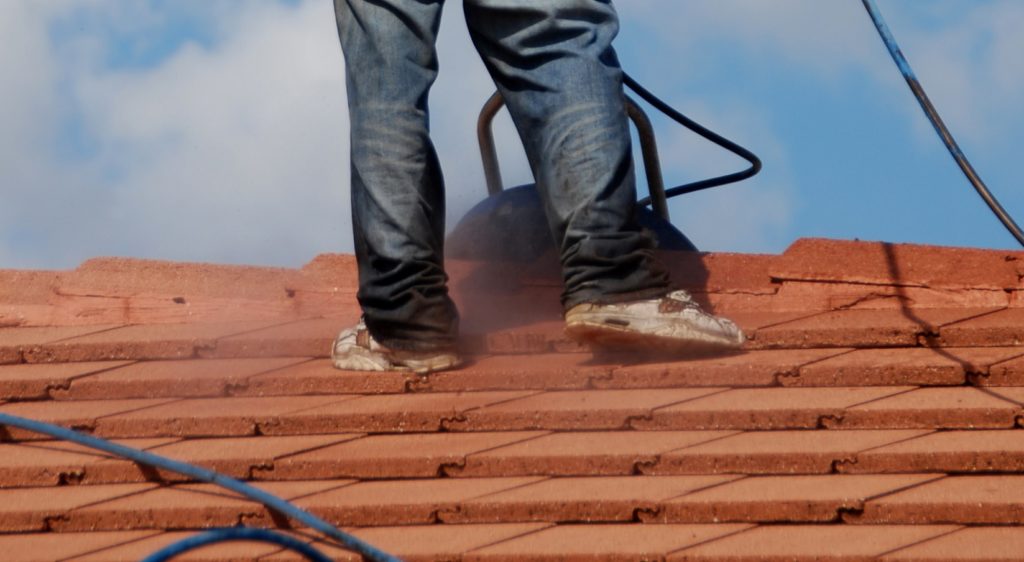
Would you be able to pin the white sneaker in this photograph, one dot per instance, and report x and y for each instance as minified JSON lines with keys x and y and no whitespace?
{"x":356,"y":350}
{"x":672,"y":323}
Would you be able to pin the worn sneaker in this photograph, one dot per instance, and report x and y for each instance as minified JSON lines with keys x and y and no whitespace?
{"x":673,"y":323}
{"x":356,"y":350}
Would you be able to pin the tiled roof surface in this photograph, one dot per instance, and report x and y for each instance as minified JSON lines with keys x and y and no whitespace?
{"x":874,"y":414}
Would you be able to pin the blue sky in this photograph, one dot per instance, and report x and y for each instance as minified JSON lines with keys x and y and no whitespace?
{"x":215,"y":130}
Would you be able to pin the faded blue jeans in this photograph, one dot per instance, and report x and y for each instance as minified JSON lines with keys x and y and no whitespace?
{"x":553,"y":63}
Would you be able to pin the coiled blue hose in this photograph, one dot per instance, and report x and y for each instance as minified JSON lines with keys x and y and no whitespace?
{"x":273,"y":502}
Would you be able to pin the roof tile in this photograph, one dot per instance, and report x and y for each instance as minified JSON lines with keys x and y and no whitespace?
{"x":947,"y":451}
{"x":584,"y":453}
{"x":47,"y":547}
{"x":933,"y":408}
{"x":603,"y":542}
{"x":959,"y":499}
{"x":320,"y":377}
{"x":902,"y":366}
{"x":577,"y":409}
{"x":777,"y":452}
{"x":818,"y":543}
{"x":968,"y":544}
{"x":417,"y":455}
{"x":765,"y":408}
{"x":545,"y":371}
{"x":811,"y":498}
{"x":25,"y":381}
{"x":591,"y":499}
{"x":40,"y":509}
{"x":171,"y":379}
{"x":79,"y":414}
{"x":303,"y":338}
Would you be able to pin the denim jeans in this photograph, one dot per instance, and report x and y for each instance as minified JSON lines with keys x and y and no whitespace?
{"x":553,"y":63}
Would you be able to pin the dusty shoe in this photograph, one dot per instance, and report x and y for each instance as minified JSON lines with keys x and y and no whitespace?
{"x":673,"y":323}
{"x":356,"y":350}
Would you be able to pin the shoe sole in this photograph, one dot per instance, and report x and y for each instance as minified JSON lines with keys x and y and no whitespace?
{"x":621,"y":337}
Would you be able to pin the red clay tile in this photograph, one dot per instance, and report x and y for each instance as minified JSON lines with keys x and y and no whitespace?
{"x":404,"y":502}
{"x":584,"y":454}
{"x":955,"y":499}
{"x":947,"y":451}
{"x":40,"y":381}
{"x":441,"y":542}
{"x":47,"y":547}
{"x":777,"y":452}
{"x":933,"y":408}
{"x":817,"y":543}
{"x":832,"y":295}
{"x":151,"y":544}
{"x":1001,"y":328}
{"x":238,"y":457}
{"x":532,"y":339}
{"x":210,"y":417}
{"x":765,"y":408}
{"x":303,"y":338}
{"x":1008,"y":373}
{"x":882,"y":263}
{"x":612,"y":543}
{"x":590,"y":499}
{"x":545,"y":371}
{"x":155,"y":341}
{"x":419,"y":455}
{"x":865,"y":328}
{"x":172,"y":379}
{"x":82,"y":415}
{"x":969,"y":544}
{"x":577,"y":409}
{"x":39,"y":509}
{"x":320,"y":377}
{"x":14,"y":341}
{"x":754,"y":321}
{"x":818,"y":498}
{"x":755,"y":368}
{"x":917,"y":366}
{"x":42,"y":463}
{"x":392,"y":413}
{"x":186,"y":506}
{"x":721,"y":271}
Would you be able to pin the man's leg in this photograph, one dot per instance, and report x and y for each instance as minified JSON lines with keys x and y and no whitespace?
{"x":398,"y":204}
{"x":554,"y":65}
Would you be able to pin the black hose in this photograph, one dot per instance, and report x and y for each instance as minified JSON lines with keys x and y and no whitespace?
{"x":940,"y":127}
{"x":668,"y":110}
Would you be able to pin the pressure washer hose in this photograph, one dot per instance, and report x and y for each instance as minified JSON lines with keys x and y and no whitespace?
{"x":940,"y":127}
{"x":205,"y":475}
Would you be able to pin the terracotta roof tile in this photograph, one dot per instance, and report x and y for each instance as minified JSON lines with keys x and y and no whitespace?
{"x":53,"y":463}
{"x":150,"y":543}
{"x":811,"y":498}
{"x":171,"y":379}
{"x":882,"y":263}
{"x":765,"y":408}
{"x":14,"y":341}
{"x":820,"y":543}
{"x":777,"y":452}
{"x":79,"y":414}
{"x":584,"y":453}
{"x":47,"y":547}
{"x":960,"y":499}
{"x":545,"y":371}
{"x":592,"y":499}
{"x":603,"y":542}
{"x":866,"y":328}
{"x":439,"y":542}
{"x":903,"y":366}
{"x":754,"y":368}
{"x":1002,"y":327}
{"x":303,"y":338}
{"x":969,"y":544}
{"x":238,"y":457}
{"x":320,"y":377}
{"x":404,"y":502}
{"x":23,"y":382}
{"x":415,"y":455}
{"x":155,"y":341}
{"x":934,"y":408}
{"x":208,"y":417}
{"x":578,"y":409}
{"x":947,"y":451}
{"x":41,"y":509}
{"x":391,"y":413}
